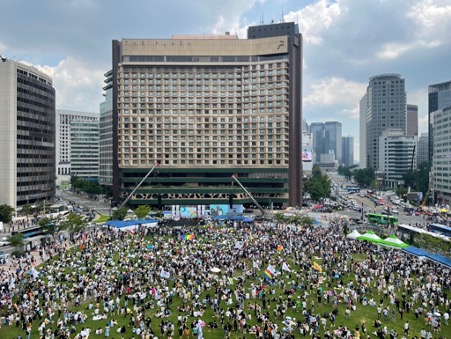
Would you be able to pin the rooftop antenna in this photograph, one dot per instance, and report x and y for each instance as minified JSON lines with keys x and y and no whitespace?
{"x":281,"y":20}
{"x":262,"y":22}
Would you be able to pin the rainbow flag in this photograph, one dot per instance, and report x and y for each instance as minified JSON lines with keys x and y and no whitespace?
{"x":187,"y":237}
{"x":269,"y":272}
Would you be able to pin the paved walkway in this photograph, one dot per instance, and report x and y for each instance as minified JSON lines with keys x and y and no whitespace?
{"x":12,"y":263}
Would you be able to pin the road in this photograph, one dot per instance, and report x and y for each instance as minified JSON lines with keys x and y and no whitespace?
{"x":99,"y":207}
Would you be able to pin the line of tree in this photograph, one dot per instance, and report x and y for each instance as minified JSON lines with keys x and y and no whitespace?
{"x":88,"y":186}
{"x":417,"y":180}
{"x":318,"y":186}
{"x":297,"y":219}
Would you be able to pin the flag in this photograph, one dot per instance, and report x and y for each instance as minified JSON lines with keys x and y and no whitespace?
{"x":269,"y":272}
{"x":238,"y":245}
{"x":187,"y":237}
{"x":317,"y":267}
{"x":255,"y":265}
{"x":285,"y":267}
{"x":165,"y":274}
{"x":280,"y":248}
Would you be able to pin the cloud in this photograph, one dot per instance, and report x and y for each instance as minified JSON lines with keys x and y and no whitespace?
{"x":334,"y":91}
{"x":78,"y":85}
{"x":433,"y":18}
{"x":314,"y":19}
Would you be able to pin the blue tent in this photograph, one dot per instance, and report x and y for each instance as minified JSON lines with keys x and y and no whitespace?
{"x":422,"y":253}
{"x":441,"y":259}
{"x":416,"y":251}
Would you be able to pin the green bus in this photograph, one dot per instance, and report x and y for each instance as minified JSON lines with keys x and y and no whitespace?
{"x":382,"y":219}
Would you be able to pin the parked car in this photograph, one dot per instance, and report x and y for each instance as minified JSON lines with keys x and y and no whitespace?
{"x":4,"y":241}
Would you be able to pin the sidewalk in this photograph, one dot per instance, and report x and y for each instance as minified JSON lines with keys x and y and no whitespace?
{"x":10,"y":264}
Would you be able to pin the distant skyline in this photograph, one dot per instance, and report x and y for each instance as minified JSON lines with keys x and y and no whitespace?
{"x":345,"y":43}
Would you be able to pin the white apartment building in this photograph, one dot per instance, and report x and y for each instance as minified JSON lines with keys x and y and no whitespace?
{"x":441,"y":164}
{"x":396,"y":156}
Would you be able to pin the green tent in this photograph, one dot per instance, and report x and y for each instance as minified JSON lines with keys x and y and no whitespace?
{"x":392,"y":241}
{"x":370,"y":236}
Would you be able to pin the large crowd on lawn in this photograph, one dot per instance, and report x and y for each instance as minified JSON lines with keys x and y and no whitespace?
{"x":218,"y":270}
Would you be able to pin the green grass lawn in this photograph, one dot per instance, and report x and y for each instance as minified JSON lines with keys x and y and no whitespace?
{"x":102,"y":219}
{"x":362,"y":313}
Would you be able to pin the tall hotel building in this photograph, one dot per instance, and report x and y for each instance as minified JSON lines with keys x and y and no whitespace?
{"x":206,"y":108}
{"x":27,"y":134}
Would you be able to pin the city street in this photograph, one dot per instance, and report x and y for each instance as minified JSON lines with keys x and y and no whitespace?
{"x":98,"y":206}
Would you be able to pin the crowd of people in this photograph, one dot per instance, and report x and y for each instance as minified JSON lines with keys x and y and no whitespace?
{"x":165,"y":284}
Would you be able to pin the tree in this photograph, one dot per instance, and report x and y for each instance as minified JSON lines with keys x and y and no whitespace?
{"x":6,"y":213}
{"x":142,"y":211}
{"x":345,"y":171}
{"x":17,"y":240}
{"x":318,"y":185}
{"x":418,"y":180}
{"x":119,"y":214}
{"x":364,"y":177}
{"x":74,"y":223}
{"x":27,"y":209}
{"x":51,"y":226}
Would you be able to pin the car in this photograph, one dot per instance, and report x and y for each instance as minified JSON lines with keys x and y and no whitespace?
{"x":4,"y":241}
{"x":395,"y":211}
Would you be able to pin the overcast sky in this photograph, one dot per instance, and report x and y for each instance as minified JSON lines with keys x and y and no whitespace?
{"x":345,"y":43}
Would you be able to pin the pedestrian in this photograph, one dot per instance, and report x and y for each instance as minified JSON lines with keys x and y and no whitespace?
{"x":393,"y":314}
{"x":406,"y":328}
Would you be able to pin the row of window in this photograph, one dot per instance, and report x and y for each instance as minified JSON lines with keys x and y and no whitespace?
{"x":206,"y":162}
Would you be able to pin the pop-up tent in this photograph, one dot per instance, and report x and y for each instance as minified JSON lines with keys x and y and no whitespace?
{"x":353,"y":235}
{"x":392,"y":241}
{"x":370,"y":236}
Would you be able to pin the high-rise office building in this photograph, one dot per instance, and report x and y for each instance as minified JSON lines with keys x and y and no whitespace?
{"x":326,"y":140}
{"x":423,"y":149}
{"x":27,"y":135}
{"x":332,"y":133}
{"x":384,"y":107}
{"x":439,"y":97}
{"x":348,"y":151}
{"x":84,"y":149}
{"x":412,"y":120}
{"x":106,"y":133}
{"x":63,"y":141}
{"x":441,"y":166}
{"x":318,"y":140}
{"x":396,"y":156}
{"x":362,"y":133}
{"x":206,"y":108}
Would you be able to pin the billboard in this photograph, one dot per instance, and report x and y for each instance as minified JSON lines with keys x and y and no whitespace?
{"x":224,"y":210}
{"x":306,"y":156}
{"x":188,"y":212}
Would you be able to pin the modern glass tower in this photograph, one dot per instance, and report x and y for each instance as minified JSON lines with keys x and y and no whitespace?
{"x":206,"y":108}
{"x":348,"y":151}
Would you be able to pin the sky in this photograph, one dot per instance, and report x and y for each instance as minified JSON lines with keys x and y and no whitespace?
{"x":345,"y":43}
